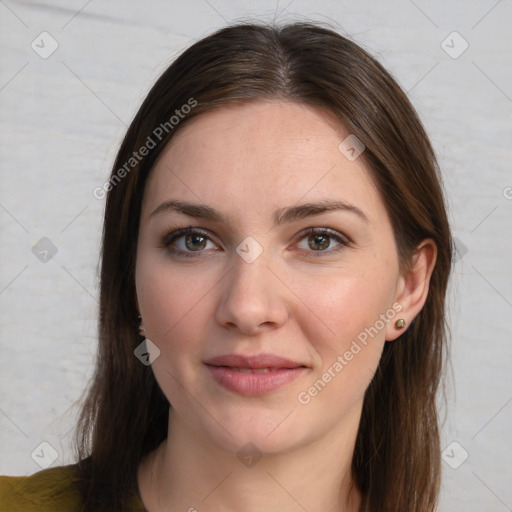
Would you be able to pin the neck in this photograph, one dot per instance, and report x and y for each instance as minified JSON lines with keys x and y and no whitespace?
{"x":185,"y":474}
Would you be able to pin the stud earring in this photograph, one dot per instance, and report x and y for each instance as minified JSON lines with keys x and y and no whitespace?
{"x":400,"y":323}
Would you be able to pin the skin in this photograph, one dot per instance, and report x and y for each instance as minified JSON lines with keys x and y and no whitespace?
{"x":246,"y":161}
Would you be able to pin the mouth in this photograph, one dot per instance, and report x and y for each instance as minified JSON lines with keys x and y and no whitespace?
{"x":252,"y":370}
{"x":253,"y":375}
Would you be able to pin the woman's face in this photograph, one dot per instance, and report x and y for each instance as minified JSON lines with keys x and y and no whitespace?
{"x":267,"y":333}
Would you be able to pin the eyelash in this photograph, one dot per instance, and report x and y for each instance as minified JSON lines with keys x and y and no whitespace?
{"x":171,"y":237}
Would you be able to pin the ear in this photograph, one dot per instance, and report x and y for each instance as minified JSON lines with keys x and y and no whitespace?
{"x":137,"y":307}
{"x":412,"y":288}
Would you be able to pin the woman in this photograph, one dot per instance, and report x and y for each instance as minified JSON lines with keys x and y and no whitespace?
{"x":275,"y":260}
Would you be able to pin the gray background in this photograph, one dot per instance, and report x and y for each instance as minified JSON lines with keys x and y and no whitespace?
{"x":61,"y":121}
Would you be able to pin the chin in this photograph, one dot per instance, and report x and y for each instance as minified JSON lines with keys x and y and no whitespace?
{"x":267,"y":431}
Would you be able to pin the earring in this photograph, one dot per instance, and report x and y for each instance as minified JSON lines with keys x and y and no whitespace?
{"x":140,"y":327}
{"x":400,"y":323}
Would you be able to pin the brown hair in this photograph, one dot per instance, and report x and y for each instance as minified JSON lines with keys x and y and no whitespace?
{"x":396,"y":462}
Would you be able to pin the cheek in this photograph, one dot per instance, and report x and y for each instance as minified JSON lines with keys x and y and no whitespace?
{"x":347,"y":336}
{"x":346,"y":316}
{"x":172,"y":304}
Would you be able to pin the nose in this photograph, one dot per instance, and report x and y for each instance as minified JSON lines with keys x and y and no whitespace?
{"x":253,"y":298}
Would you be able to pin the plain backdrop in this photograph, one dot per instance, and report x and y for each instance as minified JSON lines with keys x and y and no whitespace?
{"x":62,"y":116}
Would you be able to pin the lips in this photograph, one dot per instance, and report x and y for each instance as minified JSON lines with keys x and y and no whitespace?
{"x":262,"y":361}
{"x":253,"y":375}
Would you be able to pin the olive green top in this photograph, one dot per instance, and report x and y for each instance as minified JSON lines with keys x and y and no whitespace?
{"x":52,"y":489}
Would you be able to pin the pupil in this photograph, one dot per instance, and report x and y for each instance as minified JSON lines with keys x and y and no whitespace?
{"x":318,"y":241}
{"x":195,"y":239}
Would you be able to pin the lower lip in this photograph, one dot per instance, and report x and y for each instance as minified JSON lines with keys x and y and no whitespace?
{"x":252,"y":384}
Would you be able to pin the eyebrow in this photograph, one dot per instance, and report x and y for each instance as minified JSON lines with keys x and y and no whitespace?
{"x":280,"y":216}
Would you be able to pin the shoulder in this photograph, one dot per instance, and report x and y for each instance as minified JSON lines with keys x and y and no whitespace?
{"x":51,"y":489}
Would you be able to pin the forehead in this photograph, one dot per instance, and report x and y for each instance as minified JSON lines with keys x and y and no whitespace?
{"x":259,"y":155}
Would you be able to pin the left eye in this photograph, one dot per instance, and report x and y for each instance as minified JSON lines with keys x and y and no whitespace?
{"x":319,"y":240}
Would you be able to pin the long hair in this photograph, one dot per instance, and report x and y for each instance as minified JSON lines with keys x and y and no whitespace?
{"x":396,"y":461}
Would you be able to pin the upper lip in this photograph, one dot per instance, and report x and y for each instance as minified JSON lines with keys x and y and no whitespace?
{"x":253,"y":362}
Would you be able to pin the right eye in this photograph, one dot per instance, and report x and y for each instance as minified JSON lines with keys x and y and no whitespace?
{"x":188,"y":242}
